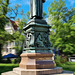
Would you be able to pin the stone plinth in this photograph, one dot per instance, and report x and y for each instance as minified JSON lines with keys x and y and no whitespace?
{"x":36,"y":61}
{"x":19,"y":71}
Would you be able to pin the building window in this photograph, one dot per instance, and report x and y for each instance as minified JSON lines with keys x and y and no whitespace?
{"x":10,"y":50}
{"x":6,"y":49}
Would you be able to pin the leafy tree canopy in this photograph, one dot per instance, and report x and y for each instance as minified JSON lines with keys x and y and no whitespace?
{"x":62,"y":21}
{"x":5,"y":11}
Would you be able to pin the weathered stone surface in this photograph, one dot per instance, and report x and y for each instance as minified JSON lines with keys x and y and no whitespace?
{"x":36,"y":61}
{"x":9,"y":73}
{"x":19,"y":71}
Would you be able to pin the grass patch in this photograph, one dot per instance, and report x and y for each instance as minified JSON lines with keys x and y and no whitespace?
{"x":70,"y":66}
{"x":62,"y":62}
{"x":7,"y":67}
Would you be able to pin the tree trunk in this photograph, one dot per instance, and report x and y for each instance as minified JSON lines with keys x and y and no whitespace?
{"x":0,"y":53}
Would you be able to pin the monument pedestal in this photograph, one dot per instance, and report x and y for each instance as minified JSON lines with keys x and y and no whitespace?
{"x":37,"y":64}
{"x":36,"y":61}
{"x":20,"y":71}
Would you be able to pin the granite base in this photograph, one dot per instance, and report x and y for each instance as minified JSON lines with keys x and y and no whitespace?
{"x":54,"y":71}
{"x":63,"y":73}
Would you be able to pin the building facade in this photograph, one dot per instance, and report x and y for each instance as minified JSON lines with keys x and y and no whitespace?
{"x":9,"y":46}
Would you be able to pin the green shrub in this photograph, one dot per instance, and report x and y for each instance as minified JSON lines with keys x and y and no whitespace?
{"x":70,"y":63}
{"x":6,"y":61}
{"x":18,"y":60}
{"x":68,"y":66}
{"x":59,"y":60}
{"x":63,"y":60}
{"x":13,"y":61}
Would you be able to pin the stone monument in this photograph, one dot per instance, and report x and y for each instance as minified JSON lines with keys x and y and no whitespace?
{"x":36,"y":58}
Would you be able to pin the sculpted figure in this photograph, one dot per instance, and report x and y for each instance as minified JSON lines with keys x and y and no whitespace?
{"x":39,"y":41}
{"x":36,"y":8}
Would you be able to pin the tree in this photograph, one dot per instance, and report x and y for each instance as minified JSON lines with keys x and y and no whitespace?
{"x":19,"y":37}
{"x":3,"y":11}
{"x":63,"y":32}
{"x":4,"y":18}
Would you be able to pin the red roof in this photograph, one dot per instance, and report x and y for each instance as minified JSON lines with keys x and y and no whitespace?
{"x":14,"y":24}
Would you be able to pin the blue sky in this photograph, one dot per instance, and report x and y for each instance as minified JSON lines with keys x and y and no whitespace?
{"x":25,"y":4}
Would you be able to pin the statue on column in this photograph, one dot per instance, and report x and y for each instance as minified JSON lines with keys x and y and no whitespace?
{"x":36,"y":9}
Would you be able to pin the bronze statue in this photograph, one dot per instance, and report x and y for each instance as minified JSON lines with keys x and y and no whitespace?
{"x":36,"y":10}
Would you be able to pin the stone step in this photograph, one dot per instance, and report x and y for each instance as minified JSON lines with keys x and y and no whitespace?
{"x":21,"y":71}
{"x":13,"y":73}
{"x":9,"y":73}
{"x":54,"y":71}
